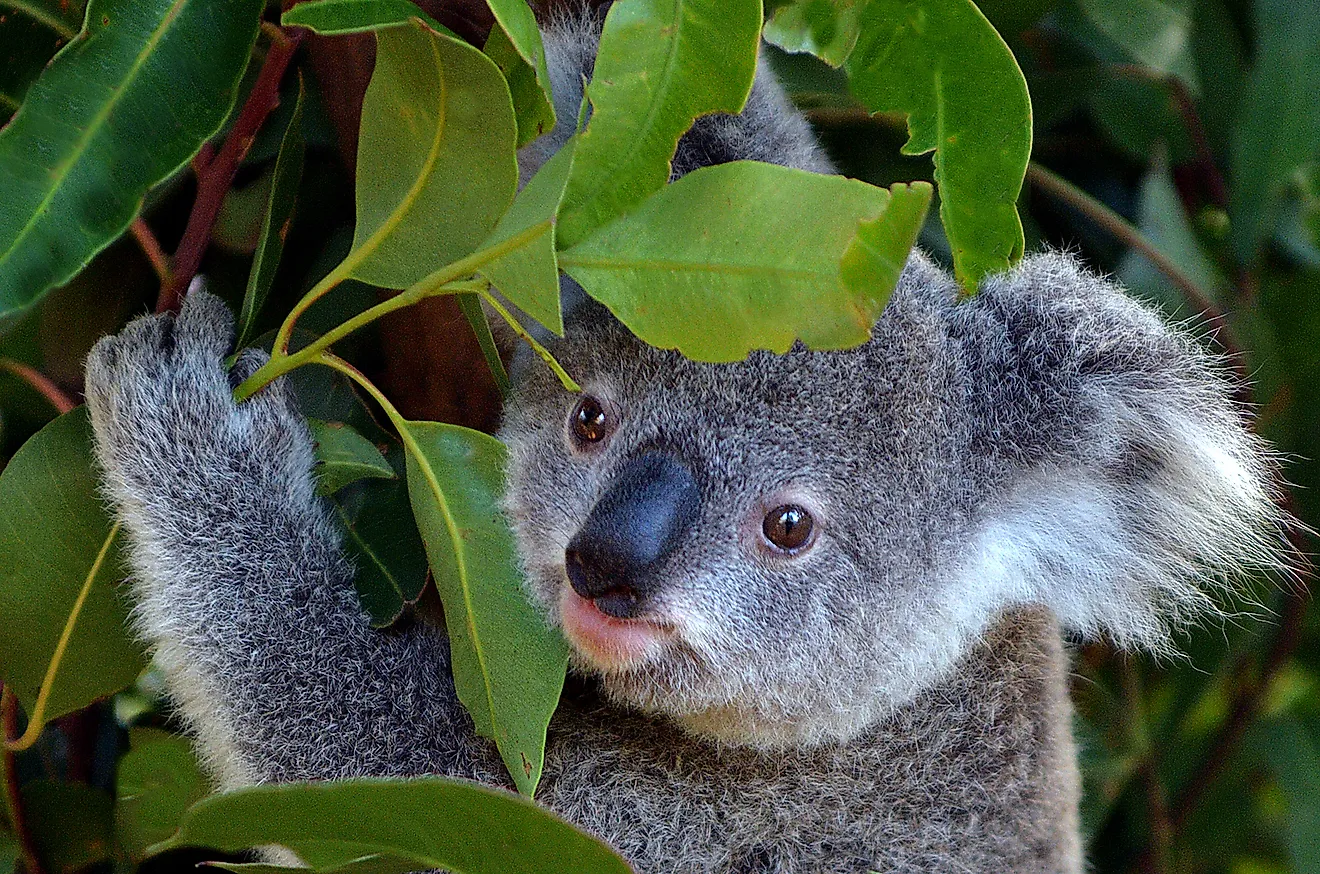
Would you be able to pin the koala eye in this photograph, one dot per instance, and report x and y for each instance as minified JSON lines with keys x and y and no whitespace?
{"x":589,"y":422}
{"x":788,"y":528}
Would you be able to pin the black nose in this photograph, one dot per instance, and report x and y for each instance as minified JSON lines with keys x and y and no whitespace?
{"x":635,"y":525}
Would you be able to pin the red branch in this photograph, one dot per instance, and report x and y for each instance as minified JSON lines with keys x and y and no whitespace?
{"x":217,"y":175}
{"x":40,"y":383}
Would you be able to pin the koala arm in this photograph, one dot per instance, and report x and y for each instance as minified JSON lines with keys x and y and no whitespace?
{"x":1129,"y":478}
{"x":240,"y":585}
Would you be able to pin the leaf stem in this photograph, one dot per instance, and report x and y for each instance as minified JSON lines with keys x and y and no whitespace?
{"x":160,"y":262}
{"x":217,"y":175}
{"x":36,"y":720}
{"x":446,"y":280}
{"x":540,"y":350}
{"x":13,"y":797}
{"x":40,"y":383}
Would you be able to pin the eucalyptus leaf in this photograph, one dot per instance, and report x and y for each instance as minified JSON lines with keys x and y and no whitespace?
{"x":529,"y":275}
{"x":966,"y":99}
{"x":660,"y":65}
{"x":336,"y":17}
{"x":825,"y":28}
{"x":470,"y":305}
{"x":344,"y":456}
{"x":436,"y":163}
{"x":429,"y":822}
{"x":62,"y":17}
{"x":508,"y":664}
{"x":386,"y":550}
{"x":1154,"y":33}
{"x":29,"y":37}
{"x":680,"y":271}
{"x":155,"y":783}
{"x":120,"y":108}
{"x":56,"y":543}
{"x":515,"y":47}
{"x":275,"y":223}
{"x":1278,"y":128}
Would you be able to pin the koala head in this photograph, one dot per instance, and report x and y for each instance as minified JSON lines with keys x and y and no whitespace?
{"x":781,"y":551}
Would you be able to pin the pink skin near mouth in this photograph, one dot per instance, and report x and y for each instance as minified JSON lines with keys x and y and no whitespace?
{"x":608,"y":643}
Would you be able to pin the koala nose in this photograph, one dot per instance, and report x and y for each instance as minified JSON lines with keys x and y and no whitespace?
{"x":635,"y":525}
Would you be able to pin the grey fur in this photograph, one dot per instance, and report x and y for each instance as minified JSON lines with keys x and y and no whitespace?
{"x":893,"y":699}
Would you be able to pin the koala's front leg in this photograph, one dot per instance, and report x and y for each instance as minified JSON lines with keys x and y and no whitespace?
{"x":240,"y":584}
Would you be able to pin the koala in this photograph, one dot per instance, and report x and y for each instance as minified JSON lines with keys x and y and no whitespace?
{"x":815,"y":601}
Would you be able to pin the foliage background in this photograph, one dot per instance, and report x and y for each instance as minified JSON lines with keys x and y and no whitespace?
{"x":1194,"y":122}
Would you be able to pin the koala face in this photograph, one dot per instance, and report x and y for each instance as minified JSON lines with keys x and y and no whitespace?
{"x":752,"y":549}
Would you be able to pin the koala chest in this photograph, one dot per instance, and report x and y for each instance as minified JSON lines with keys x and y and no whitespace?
{"x":976,"y":775}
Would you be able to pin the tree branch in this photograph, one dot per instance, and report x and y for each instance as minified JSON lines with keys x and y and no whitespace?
{"x":160,"y":262}
{"x":217,"y":174}
{"x":40,"y":383}
{"x":13,"y":798}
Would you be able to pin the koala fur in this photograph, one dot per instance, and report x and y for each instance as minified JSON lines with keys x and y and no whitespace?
{"x":892,"y":699}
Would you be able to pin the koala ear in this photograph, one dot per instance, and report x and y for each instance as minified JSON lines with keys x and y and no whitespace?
{"x":1135,"y":488}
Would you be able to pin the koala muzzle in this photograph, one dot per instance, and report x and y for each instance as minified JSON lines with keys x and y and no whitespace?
{"x":614,"y":558}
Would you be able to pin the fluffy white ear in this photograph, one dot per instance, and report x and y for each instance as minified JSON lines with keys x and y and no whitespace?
{"x":1139,"y":492}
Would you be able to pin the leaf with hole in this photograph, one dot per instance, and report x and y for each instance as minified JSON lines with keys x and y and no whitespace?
{"x":966,"y":99}
{"x":60,"y":562}
{"x":120,"y":108}
{"x":680,"y":274}
{"x":508,"y":664}
{"x":825,"y":28}
{"x":660,"y":66}
{"x":429,"y":822}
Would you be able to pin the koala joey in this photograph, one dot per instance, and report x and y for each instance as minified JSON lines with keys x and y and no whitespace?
{"x":814,"y":599}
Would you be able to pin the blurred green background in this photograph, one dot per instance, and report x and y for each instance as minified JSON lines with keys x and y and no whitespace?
{"x":1177,"y":146}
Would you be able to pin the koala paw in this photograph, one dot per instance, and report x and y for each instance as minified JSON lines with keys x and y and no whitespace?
{"x":162,"y":404}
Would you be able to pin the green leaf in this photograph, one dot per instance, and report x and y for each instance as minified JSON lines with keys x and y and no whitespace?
{"x":1279,"y":126}
{"x":660,"y":65}
{"x":1162,"y":220}
{"x":63,"y":17}
{"x":680,"y":273}
{"x":275,"y":223}
{"x":72,"y":824}
{"x":966,"y":99}
{"x":118,"y":110}
{"x":529,"y":276}
{"x":508,"y":664}
{"x":1153,"y":33}
{"x":336,"y":17}
{"x":515,"y":46}
{"x":430,"y":822}
{"x":9,"y":852}
{"x":55,"y":544}
{"x":387,"y":552}
{"x":825,"y":28}
{"x":436,"y":163}
{"x":344,"y":456}
{"x":155,"y":783}
{"x":470,"y":305}
{"x":1295,"y":759}
{"x":30,"y":34}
